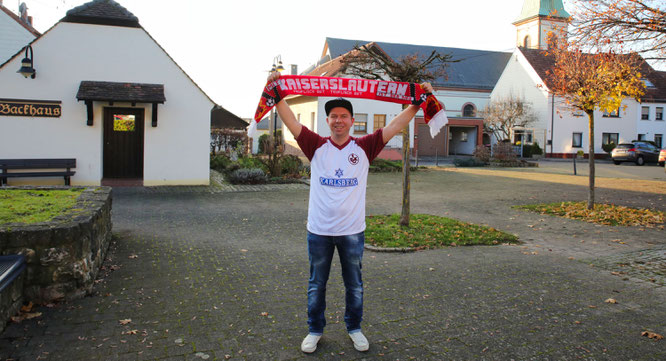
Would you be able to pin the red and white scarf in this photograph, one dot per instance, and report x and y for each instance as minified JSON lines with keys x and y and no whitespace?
{"x":389,"y":91}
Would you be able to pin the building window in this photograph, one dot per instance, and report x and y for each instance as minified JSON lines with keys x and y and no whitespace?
{"x":645,"y":113}
{"x":463,"y":136}
{"x":380,"y":121}
{"x":360,"y":123}
{"x":659,"y":114}
{"x":469,"y":110}
{"x":577,"y":140}
{"x":312,"y":121}
{"x":614,"y":114}
{"x":641,"y":137}
{"x":658,"y":139}
{"x":607,"y":138}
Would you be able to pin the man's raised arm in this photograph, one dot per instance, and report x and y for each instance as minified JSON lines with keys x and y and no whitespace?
{"x":402,"y":119}
{"x":283,"y":109}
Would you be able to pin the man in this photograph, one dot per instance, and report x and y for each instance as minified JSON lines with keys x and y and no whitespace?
{"x":336,"y":211}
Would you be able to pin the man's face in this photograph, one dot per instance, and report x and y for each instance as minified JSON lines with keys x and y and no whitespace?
{"x":340,"y":121}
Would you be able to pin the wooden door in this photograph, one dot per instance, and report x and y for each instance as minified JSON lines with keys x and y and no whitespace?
{"x":123,"y":143}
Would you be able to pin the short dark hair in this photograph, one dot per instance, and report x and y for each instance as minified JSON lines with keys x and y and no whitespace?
{"x":339,"y":102}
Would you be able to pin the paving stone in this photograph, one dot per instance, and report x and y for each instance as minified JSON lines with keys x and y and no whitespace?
{"x":203,"y":265}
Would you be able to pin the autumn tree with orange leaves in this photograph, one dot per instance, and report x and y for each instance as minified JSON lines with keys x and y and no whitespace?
{"x":632,"y":25}
{"x":590,"y":82}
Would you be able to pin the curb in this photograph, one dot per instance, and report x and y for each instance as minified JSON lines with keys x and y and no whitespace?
{"x":389,"y":249}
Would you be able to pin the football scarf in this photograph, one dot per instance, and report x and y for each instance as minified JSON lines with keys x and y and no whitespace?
{"x":388,"y":91}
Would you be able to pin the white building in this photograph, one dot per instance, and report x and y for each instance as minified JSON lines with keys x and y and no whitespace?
{"x":112,"y":98}
{"x":464,"y":90}
{"x":15,"y":31}
{"x":562,"y":130}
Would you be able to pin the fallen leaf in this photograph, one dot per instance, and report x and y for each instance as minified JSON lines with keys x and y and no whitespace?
{"x":132,"y":256}
{"x":653,"y":335}
{"x":125,"y":321}
{"x":130,"y":332}
{"x":611,"y":300}
{"x":264,"y":313}
{"x":31,"y":315}
{"x":27,"y":308}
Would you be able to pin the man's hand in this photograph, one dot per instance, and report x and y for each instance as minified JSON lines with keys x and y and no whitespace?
{"x":273,"y":76}
{"x":427,"y":87}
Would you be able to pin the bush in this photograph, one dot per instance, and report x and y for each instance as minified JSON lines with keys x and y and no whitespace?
{"x":608,"y":147}
{"x":291,"y":165}
{"x":220,"y":163}
{"x":263,"y":143}
{"x":536,"y":149}
{"x":527,"y":151}
{"x":251,"y":162}
{"x":385,"y":165}
{"x":482,"y":153}
{"x":503,"y":152}
{"x":247,"y":176}
{"x":468,"y":162}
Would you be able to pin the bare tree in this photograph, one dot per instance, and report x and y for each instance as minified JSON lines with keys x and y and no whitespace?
{"x":504,"y":114}
{"x":632,"y":25}
{"x":371,"y":62}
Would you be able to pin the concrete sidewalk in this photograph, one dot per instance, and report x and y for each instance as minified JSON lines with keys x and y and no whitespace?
{"x":195,"y":275}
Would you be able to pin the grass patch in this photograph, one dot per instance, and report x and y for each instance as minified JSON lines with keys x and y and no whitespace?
{"x":426,"y":231}
{"x":33,"y":206}
{"x":607,"y":214}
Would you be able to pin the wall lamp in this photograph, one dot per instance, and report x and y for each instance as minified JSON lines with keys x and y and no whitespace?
{"x":27,"y":69}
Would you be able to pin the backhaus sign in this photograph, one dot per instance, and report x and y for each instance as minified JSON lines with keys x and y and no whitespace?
{"x":30,"y":108}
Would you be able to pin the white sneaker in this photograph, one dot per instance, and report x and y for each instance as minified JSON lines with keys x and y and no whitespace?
{"x":309,"y":344}
{"x":360,"y":342}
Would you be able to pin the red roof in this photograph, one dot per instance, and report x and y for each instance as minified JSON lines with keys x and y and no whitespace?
{"x":542,"y":63}
{"x":21,"y":22}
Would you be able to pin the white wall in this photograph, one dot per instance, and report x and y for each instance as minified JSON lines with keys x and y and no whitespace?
{"x":651,"y":126}
{"x":13,"y":37}
{"x":519,"y":80}
{"x":175,"y":152}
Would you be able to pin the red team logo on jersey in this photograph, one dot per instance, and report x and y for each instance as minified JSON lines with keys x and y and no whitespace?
{"x":353,"y":159}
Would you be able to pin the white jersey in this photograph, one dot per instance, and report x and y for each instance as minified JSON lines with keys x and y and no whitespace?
{"x":338,"y":181}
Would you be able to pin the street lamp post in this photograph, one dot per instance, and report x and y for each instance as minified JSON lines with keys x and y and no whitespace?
{"x":277,"y":66}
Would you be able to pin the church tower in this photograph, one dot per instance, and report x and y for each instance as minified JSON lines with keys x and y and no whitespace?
{"x":539,"y":18}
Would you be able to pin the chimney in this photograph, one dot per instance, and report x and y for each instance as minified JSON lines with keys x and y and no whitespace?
{"x":30,"y":20}
{"x":23,"y":12}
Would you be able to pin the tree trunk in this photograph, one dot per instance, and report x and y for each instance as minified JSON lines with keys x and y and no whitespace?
{"x":404,"y":216}
{"x":590,"y":195}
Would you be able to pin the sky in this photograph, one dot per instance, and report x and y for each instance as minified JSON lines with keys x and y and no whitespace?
{"x":227,"y":47}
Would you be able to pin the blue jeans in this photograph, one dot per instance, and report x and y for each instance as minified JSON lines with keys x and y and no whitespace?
{"x":320,"y":252}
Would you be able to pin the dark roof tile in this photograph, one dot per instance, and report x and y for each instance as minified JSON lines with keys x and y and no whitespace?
{"x":121,"y":92}
{"x":102,"y":12}
{"x":476,"y":69}
{"x":221,"y":118}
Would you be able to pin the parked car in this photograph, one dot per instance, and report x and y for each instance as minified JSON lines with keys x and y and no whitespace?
{"x":638,"y":152}
{"x":662,"y":157}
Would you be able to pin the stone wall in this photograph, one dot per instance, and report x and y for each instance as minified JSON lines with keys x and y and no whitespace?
{"x":11,"y":299}
{"x":63,"y":255}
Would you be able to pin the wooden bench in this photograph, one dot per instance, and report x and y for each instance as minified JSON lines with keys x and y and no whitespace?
{"x":11,"y":267}
{"x":65,"y":165}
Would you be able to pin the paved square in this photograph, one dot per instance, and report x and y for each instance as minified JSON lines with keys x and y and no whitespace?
{"x":198,"y":274}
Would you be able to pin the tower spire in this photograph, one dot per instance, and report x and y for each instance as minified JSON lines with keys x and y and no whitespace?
{"x":538,"y":20}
